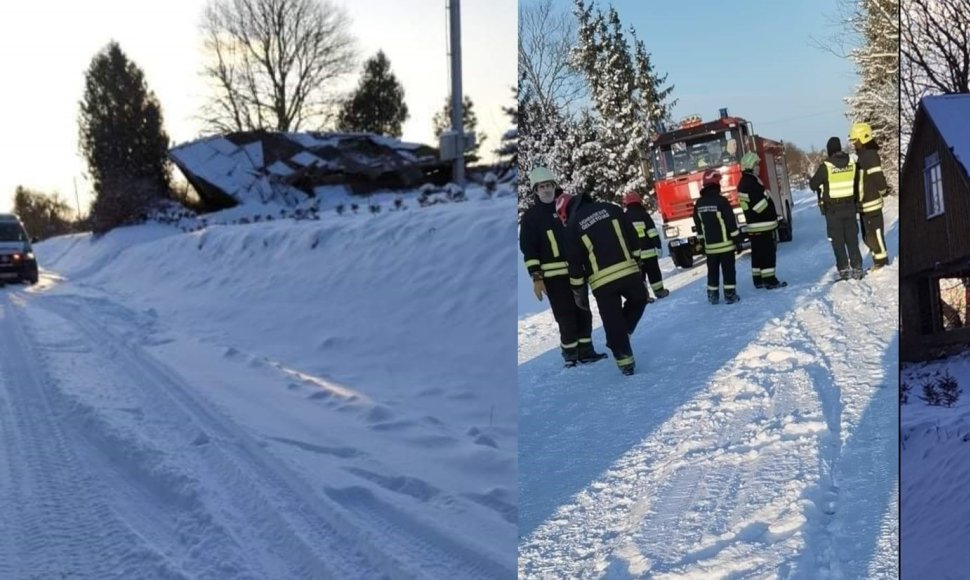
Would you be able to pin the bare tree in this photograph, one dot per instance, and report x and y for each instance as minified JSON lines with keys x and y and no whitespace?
{"x":546,"y":38}
{"x":935,"y":52}
{"x":272,"y":63}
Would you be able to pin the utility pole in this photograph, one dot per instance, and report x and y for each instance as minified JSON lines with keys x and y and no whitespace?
{"x":454,"y":21}
{"x":77,"y":200}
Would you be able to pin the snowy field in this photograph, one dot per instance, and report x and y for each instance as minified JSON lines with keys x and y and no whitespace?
{"x":313,"y":399}
{"x":933,"y":475}
{"x":757,"y":440}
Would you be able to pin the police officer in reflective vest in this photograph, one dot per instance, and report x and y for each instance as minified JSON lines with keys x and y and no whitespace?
{"x":603,"y":253}
{"x":649,"y":242}
{"x":541,"y":242}
{"x":833,"y":183}
{"x":762,"y":219}
{"x":717,"y":228}
{"x":871,"y":187}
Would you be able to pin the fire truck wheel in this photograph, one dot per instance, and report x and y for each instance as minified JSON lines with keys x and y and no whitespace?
{"x":785,"y":232}
{"x":682,"y":256}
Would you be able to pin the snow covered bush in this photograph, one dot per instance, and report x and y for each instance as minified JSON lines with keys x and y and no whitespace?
{"x":930,"y":394}
{"x":949,"y":389}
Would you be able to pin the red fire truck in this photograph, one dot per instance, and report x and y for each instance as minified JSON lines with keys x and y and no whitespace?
{"x":678,"y":158}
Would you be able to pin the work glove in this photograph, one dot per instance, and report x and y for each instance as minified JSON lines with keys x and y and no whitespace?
{"x":581,"y":296}
{"x":821,"y":208}
{"x":738,"y":246}
{"x":538,"y":285}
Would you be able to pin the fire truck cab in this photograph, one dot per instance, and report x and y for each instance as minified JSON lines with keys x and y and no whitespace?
{"x":677,"y":159}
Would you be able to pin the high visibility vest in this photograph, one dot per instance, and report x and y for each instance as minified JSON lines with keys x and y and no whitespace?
{"x":841,"y":180}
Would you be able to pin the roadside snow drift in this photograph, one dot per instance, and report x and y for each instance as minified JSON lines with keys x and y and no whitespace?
{"x":756,"y":440}
{"x":933,"y":474}
{"x":312,"y":399}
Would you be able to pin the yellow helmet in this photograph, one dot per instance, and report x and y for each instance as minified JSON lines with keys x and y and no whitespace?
{"x":860,"y":132}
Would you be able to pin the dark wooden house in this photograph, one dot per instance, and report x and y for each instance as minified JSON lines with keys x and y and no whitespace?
{"x":934,"y":222}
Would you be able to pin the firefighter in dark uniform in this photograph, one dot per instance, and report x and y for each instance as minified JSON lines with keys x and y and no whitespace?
{"x":717,"y":228}
{"x":871,"y":187}
{"x":649,"y":243}
{"x":541,"y":242}
{"x":762,"y":219}
{"x":603,"y":253}
{"x":833,"y":183}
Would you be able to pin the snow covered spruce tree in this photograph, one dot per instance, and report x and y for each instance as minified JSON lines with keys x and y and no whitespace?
{"x":627,"y":97}
{"x":550,"y":87}
{"x":377,"y":105}
{"x":122,"y":140}
{"x":876,"y":99}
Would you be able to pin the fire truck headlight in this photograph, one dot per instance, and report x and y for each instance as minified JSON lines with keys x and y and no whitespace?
{"x":671,"y":232}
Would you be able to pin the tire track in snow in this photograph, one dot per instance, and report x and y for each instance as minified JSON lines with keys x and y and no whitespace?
{"x":58,"y":519}
{"x":778,"y":423}
{"x":326,"y":538}
{"x":274,"y":517}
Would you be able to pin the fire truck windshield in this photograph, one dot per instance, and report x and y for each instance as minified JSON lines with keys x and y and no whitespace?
{"x":696,"y":154}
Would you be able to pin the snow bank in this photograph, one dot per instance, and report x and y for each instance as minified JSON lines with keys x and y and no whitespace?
{"x":373,"y":354}
{"x":933,"y":473}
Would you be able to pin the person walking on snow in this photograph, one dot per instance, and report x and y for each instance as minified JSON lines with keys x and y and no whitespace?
{"x":759,"y":212}
{"x":541,"y":242}
{"x":717,"y":228}
{"x":833,"y":184}
{"x":870,"y":183}
{"x":649,"y":243}
{"x":603,"y":252}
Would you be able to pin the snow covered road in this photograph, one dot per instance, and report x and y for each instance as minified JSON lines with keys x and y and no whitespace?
{"x":156,"y":422}
{"x":756,"y":440}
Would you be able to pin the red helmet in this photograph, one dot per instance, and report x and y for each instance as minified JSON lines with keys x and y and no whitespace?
{"x":562,"y":206}
{"x":711,"y":177}
{"x":631,"y":197}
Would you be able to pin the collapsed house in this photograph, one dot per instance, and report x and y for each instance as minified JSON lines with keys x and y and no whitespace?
{"x":264,"y":167}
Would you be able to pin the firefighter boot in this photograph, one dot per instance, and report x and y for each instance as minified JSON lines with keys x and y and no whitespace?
{"x":858,"y":273}
{"x":731,"y":296}
{"x":772,"y":283}
{"x":758,"y":282}
{"x":845,"y":274}
{"x":627,"y":366}
{"x":570,"y":356}
{"x":713,"y":296}
{"x":662,"y":293}
{"x":587,"y":354}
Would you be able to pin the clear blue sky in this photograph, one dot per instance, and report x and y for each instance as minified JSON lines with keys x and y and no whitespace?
{"x":755,"y":57}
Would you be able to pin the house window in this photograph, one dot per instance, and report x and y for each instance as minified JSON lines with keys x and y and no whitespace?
{"x":933,"y":184}
{"x":954,"y":306}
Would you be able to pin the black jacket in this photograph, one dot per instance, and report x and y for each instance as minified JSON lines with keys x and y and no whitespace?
{"x":870,"y":181}
{"x":715,"y":222}
{"x":819,"y":183}
{"x":646,"y":229}
{"x":541,"y":241}
{"x":602,"y":245}
{"x":759,"y":209}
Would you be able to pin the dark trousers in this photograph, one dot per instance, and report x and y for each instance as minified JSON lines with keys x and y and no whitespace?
{"x":718,"y":264}
{"x":574,"y":322}
{"x":873,"y":233}
{"x":763,"y":252}
{"x":621,"y":304}
{"x":650,"y":269}
{"x":844,"y":235}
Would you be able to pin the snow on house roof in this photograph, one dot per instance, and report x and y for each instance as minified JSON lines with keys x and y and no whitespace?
{"x":951,"y":115}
